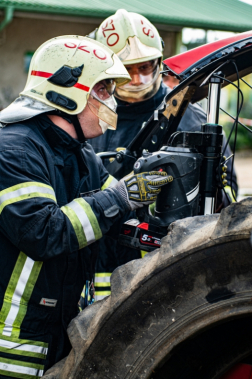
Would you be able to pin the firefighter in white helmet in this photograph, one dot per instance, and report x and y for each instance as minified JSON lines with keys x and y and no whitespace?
{"x":56,"y":197}
{"x":138,"y":45}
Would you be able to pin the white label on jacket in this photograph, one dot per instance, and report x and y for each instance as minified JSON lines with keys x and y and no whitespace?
{"x":48,"y":302}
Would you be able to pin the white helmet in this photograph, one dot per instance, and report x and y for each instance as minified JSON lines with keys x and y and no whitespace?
{"x":62,"y":74}
{"x":135,"y":40}
{"x":131,"y":36}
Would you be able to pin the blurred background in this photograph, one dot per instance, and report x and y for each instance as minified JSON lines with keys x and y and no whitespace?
{"x":183,"y":25}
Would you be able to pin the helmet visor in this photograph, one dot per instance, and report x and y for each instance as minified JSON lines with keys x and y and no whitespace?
{"x":104,"y":89}
{"x":102,"y":103}
{"x":142,"y":74}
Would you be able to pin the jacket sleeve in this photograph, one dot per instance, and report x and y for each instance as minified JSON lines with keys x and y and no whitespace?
{"x":107,"y":180}
{"x":193,"y":118}
{"x":31,"y":219}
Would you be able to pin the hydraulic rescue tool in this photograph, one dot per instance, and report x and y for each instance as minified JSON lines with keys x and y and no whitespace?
{"x":193,"y":159}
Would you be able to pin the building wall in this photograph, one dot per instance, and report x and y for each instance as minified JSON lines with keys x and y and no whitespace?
{"x":172,"y":42}
{"x":24,"y":35}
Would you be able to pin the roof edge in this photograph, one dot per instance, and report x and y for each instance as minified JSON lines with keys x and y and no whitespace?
{"x":96,"y":14}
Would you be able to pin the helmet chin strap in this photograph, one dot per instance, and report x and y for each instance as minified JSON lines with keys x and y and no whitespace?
{"x":78,"y":128}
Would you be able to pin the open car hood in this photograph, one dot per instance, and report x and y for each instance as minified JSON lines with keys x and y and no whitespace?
{"x":194,"y":66}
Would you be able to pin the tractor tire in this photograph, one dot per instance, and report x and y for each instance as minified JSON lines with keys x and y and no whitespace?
{"x":184,"y":311}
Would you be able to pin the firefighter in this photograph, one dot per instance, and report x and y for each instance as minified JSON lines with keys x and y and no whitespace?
{"x":138,"y":45}
{"x":56,"y":197}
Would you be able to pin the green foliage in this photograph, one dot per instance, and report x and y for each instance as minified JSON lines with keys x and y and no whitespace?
{"x":244,"y":138}
{"x":229,"y":103}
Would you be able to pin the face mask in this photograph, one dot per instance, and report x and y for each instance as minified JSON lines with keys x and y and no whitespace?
{"x":144,"y":73}
{"x":102,"y":104}
{"x":104,"y":126}
{"x":150,"y":83}
{"x":105,"y":110}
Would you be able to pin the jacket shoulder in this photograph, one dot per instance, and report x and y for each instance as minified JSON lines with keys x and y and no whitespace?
{"x":19,"y":136}
{"x":90,"y":154}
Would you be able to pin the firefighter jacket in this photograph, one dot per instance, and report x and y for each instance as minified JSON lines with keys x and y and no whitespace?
{"x":48,"y":229}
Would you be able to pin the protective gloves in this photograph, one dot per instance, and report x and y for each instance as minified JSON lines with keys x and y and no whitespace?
{"x":142,"y":189}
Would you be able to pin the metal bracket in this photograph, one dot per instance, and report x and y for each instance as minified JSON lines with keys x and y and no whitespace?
{"x":174,"y":104}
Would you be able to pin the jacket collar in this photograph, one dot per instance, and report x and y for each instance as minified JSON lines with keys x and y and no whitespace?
{"x":57,"y":136}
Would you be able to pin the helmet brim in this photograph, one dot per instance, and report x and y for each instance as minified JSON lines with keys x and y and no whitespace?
{"x":23,"y":108}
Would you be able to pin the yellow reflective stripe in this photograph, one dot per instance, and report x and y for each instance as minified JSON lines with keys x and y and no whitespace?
{"x":143,"y":253}
{"x":28,"y":290}
{"x":228,"y":190}
{"x":84,"y":221}
{"x":102,"y":279}
{"x":110,"y":182}
{"x":10,"y":290}
{"x":18,"y":293}
{"x":102,"y":293}
{"x":102,"y":284}
{"x":29,"y":348}
{"x":25,"y":191}
{"x":20,"y":369}
{"x":76,"y":224}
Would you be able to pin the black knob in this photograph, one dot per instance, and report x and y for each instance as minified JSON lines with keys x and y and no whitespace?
{"x":119,"y":157}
